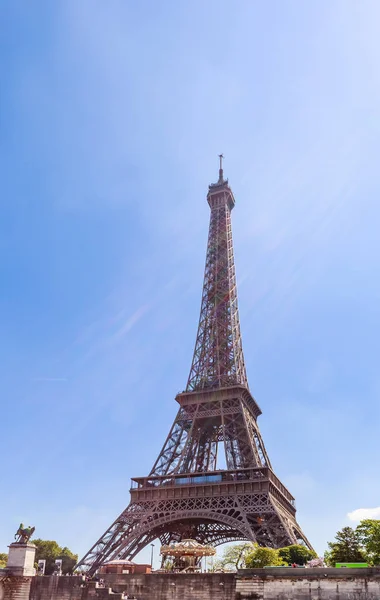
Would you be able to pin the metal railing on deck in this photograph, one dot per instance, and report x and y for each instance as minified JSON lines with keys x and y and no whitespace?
{"x":209,"y":478}
{"x":201,"y":478}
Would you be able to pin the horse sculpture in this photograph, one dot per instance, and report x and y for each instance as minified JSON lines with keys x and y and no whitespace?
{"x":23,"y":534}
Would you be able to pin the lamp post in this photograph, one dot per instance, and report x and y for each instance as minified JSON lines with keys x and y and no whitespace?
{"x":151,"y":556}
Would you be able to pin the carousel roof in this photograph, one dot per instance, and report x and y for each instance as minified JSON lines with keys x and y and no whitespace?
{"x":187,"y":548}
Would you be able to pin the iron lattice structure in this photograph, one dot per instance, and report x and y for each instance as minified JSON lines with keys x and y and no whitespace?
{"x":185,"y":496}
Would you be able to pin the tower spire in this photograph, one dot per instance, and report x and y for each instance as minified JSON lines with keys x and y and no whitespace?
{"x":221,"y":156}
{"x":218,"y":359}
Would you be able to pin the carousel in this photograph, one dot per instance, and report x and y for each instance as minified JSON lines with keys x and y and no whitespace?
{"x":186,"y":555}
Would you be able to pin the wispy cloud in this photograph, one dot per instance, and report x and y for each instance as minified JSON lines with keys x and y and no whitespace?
{"x":112,"y":330}
{"x":50,"y":379}
{"x":364,"y":513}
{"x":129,"y":323}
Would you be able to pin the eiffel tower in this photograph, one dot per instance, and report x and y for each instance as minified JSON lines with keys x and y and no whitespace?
{"x":185,"y":495}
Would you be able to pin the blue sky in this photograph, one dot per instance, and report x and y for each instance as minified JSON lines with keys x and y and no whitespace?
{"x":112,"y":116}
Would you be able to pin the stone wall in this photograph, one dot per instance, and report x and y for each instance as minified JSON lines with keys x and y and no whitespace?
{"x":14,"y":587}
{"x":308,"y":584}
{"x":56,"y":588}
{"x":255,"y":584}
{"x":209,"y":586}
{"x":215,"y":586}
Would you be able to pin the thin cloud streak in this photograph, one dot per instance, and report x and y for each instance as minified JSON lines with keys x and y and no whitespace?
{"x":50,"y":379}
{"x":129,"y":323}
{"x":107,"y":339}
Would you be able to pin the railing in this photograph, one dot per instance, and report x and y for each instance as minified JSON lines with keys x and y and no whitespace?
{"x":282,"y":488}
{"x":201,"y":478}
{"x":212,"y":477}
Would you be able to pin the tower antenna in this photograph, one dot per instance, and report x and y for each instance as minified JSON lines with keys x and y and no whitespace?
{"x":221,"y":156}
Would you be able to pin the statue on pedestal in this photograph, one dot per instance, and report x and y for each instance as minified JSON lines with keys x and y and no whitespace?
{"x":23,"y":534}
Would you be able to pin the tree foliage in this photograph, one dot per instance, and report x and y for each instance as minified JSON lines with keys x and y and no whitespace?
{"x":350,"y":545}
{"x":297,"y":554}
{"x":50,"y":550}
{"x":3,"y":560}
{"x":345,"y":548}
{"x":234,"y":556}
{"x":249,"y":555}
{"x":263,"y":557}
{"x":368,"y":534}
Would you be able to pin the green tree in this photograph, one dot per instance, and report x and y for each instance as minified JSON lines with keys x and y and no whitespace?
{"x":3,"y":560}
{"x":50,"y":550}
{"x":346,"y":548}
{"x":296,"y":554}
{"x":234,"y":555}
{"x":69,"y":560}
{"x":368,"y":533}
{"x":263,"y":557}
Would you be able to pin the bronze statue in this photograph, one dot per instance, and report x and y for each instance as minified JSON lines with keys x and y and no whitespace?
{"x":23,"y":534}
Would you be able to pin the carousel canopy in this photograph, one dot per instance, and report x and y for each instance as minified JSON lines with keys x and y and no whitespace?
{"x":187,"y":548}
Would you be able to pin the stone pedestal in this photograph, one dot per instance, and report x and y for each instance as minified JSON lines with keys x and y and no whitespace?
{"x":21,"y":559}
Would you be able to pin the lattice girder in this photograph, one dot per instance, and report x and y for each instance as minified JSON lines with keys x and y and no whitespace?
{"x":205,"y":419}
{"x":218,"y":356}
{"x":257,"y":517}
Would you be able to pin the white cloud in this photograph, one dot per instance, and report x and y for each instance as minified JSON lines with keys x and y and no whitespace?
{"x":364,"y":513}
